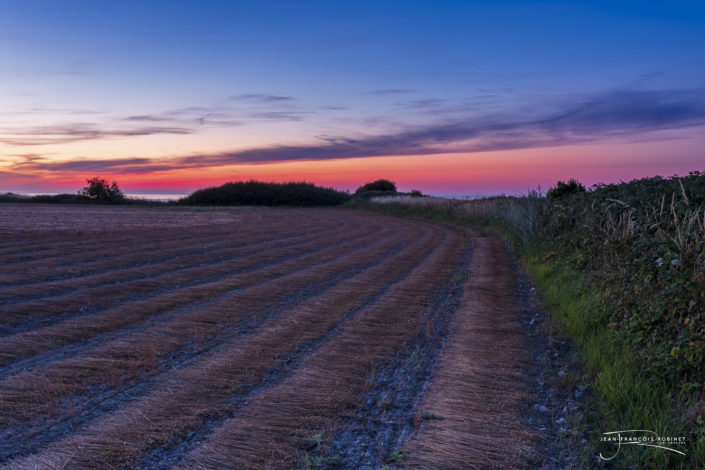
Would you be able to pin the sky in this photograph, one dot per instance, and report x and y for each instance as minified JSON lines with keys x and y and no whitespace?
{"x":447,"y":97}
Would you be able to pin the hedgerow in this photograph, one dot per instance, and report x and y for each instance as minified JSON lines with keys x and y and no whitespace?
{"x":267,"y":194}
{"x":644,"y":244}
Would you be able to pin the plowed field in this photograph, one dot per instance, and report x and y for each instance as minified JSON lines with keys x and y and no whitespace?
{"x":248,"y":339}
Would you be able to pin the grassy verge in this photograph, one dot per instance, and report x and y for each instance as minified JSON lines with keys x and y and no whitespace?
{"x":625,"y":398}
{"x":621,"y":268}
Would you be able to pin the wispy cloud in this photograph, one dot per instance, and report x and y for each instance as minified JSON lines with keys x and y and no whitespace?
{"x":261,"y":98}
{"x":189,"y":117}
{"x":617,"y":113}
{"x":425,"y":103}
{"x":233,"y":112}
{"x":279,"y":115}
{"x":46,"y":110}
{"x":149,"y":118}
{"x":81,"y":164}
{"x":68,"y":133}
{"x":176,"y":121}
{"x":390,"y":91}
{"x":630,"y":111}
{"x":264,"y":107}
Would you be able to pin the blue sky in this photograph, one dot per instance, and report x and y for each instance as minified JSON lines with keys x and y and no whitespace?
{"x":202,"y":88}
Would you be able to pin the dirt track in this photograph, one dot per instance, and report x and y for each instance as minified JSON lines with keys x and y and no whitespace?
{"x":255,"y":339}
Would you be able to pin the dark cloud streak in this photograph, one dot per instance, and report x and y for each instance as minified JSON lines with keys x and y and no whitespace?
{"x":261,"y":97}
{"x":620,"y":113}
{"x":279,"y":115}
{"x":390,"y":91}
{"x":76,"y":133}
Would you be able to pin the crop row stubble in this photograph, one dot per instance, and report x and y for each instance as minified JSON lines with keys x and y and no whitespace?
{"x":297,"y":337}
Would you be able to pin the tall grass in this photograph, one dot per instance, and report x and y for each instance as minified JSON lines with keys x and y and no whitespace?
{"x":518,"y":217}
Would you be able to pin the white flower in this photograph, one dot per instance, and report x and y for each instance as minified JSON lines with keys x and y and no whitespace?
{"x":659,"y":262}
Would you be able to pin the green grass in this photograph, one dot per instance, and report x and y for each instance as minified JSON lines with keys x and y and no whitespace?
{"x":318,"y":439}
{"x":625,"y":398}
{"x":397,"y":456}
{"x":316,"y":463}
{"x":428,"y":416}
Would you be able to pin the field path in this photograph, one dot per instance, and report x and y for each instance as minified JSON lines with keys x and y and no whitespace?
{"x":257,"y":339}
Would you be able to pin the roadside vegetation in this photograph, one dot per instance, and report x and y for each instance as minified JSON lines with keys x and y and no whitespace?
{"x":621,"y":267}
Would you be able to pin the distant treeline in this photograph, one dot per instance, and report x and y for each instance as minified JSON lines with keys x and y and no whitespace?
{"x":78,"y":199}
{"x":47,"y":198}
{"x":242,"y":193}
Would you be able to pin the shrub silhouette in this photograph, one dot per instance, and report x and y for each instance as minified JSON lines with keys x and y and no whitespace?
{"x":99,"y":190}
{"x":266,"y":194}
{"x":562,"y":189}
{"x":379,"y":185}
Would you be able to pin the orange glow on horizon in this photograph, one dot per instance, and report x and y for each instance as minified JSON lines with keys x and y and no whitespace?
{"x":509,"y":171}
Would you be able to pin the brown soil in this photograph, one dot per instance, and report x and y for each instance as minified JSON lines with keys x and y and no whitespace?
{"x":46,"y":217}
{"x":256,"y":339}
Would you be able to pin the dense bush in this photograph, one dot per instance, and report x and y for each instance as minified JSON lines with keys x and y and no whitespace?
{"x":99,"y":190}
{"x":379,"y":185}
{"x":644,"y":243}
{"x":565,"y":189}
{"x":266,"y":194}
